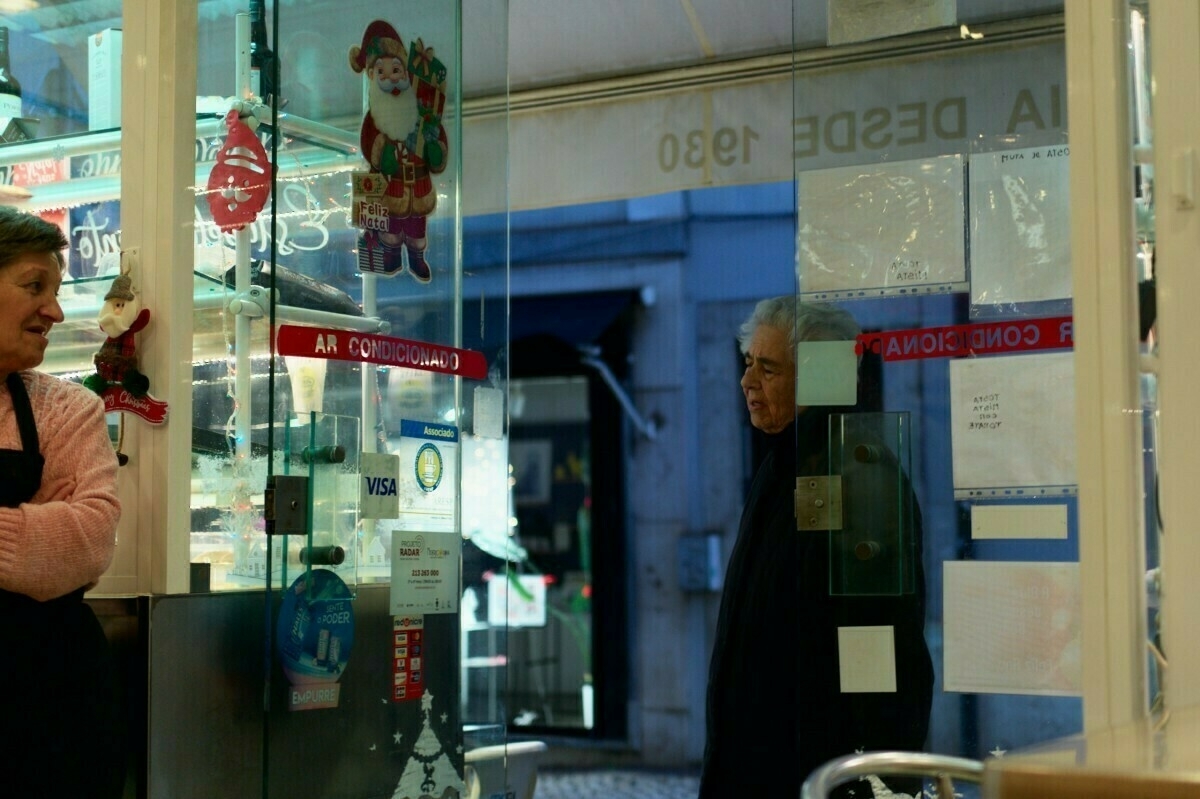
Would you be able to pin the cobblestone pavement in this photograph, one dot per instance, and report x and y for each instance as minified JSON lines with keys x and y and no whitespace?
{"x":615,"y":784}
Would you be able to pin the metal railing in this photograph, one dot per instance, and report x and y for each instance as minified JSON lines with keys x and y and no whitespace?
{"x":942,"y":769}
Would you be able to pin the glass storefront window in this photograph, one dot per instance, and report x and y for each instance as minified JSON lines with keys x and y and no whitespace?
{"x":540,"y":598}
{"x":929,"y":201}
{"x":933,"y":206}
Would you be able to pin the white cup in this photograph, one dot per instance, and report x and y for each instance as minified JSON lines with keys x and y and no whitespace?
{"x":308,"y":384}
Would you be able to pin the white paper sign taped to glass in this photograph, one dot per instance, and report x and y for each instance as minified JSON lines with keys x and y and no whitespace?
{"x":379,"y":494}
{"x":425,"y":572}
{"x":826,"y":373}
{"x":879,"y":229}
{"x":428,"y":483}
{"x":516,"y":600}
{"x":1009,"y":520}
{"x":487,"y":498}
{"x":1020,"y":226}
{"x":1012,"y":628}
{"x":1012,"y":425}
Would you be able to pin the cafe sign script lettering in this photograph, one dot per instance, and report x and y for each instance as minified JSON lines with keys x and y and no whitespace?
{"x":346,"y":345}
{"x":301,"y":225}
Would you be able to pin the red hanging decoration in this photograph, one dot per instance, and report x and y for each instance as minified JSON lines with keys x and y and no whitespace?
{"x":240,"y":182}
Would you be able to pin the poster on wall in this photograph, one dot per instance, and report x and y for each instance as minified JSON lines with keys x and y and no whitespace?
{"x":1012,"y":425}
{"x":882,"y":229}
{"x":1020,"y":226}
{"x":1012,"y":627}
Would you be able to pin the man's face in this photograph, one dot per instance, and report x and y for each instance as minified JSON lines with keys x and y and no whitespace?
{"x":769,"y":382}
{"x":29,"y":299}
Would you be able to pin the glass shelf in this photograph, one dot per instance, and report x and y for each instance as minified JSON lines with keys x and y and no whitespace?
{"x":76,"y":339}
{"x":89,"y":162}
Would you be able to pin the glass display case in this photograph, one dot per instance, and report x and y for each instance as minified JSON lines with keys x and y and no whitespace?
{"x":303,"y":265}
{"x":309,"y":404}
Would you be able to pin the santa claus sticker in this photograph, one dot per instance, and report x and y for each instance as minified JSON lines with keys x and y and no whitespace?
{"x":405,"y":144}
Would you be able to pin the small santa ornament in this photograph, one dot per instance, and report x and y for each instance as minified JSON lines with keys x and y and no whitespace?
{"x":404,"y":142}
{"x":117,"y":379}
{"x":121,"y":318}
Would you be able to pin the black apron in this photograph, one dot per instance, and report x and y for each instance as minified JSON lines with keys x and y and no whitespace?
{"x":60,"y":720}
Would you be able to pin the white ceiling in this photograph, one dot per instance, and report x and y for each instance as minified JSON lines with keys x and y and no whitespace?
{"x":555,"y":42}
{"x":530,"y":44}
{"x":561,"y":42}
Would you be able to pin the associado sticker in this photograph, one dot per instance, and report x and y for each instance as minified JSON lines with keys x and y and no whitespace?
{"x":428,"y":467}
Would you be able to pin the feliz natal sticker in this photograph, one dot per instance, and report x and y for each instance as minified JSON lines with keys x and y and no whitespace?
{"x":428,"y":483}
{"x":405,"y":145}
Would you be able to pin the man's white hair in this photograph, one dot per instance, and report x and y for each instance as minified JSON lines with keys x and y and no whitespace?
{"x":802,"y":321}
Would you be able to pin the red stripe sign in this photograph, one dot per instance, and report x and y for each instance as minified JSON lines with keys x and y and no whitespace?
{"x":346,"y":345}
{"x":985,"y":338}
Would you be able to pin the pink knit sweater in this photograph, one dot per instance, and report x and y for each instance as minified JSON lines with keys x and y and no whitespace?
{"x":48,"y":549}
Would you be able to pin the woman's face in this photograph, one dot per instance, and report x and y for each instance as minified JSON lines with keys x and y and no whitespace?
{"x":769,"y":382}
{"x":28,"y":309}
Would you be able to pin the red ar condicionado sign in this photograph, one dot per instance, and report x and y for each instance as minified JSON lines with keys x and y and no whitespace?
{"x":985,"y":338}
{"x":345,"y":345}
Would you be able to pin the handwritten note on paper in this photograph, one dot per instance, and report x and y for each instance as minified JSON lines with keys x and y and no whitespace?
{"x":1012,"y":627}
{"x":892,"y":228}
{"x":1020,"y":226}
{"x":1012,"y":425}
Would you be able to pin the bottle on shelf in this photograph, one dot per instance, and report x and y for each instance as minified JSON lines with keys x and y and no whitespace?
{"x":10,"y":87}
{"x":263,"y":62}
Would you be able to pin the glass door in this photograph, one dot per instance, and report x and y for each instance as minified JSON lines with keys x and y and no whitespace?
{"x":934,"y":218}
{"x":341,"y":409}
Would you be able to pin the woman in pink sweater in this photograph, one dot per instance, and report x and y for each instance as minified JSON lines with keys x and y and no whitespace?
{"x":58,"y":521}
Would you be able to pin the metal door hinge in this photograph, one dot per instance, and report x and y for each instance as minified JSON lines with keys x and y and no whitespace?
{"x":285,"y":505}
{"x":818,"y":502}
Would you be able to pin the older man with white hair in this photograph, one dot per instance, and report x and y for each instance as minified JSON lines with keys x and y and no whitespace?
{"x":777,"y":705}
